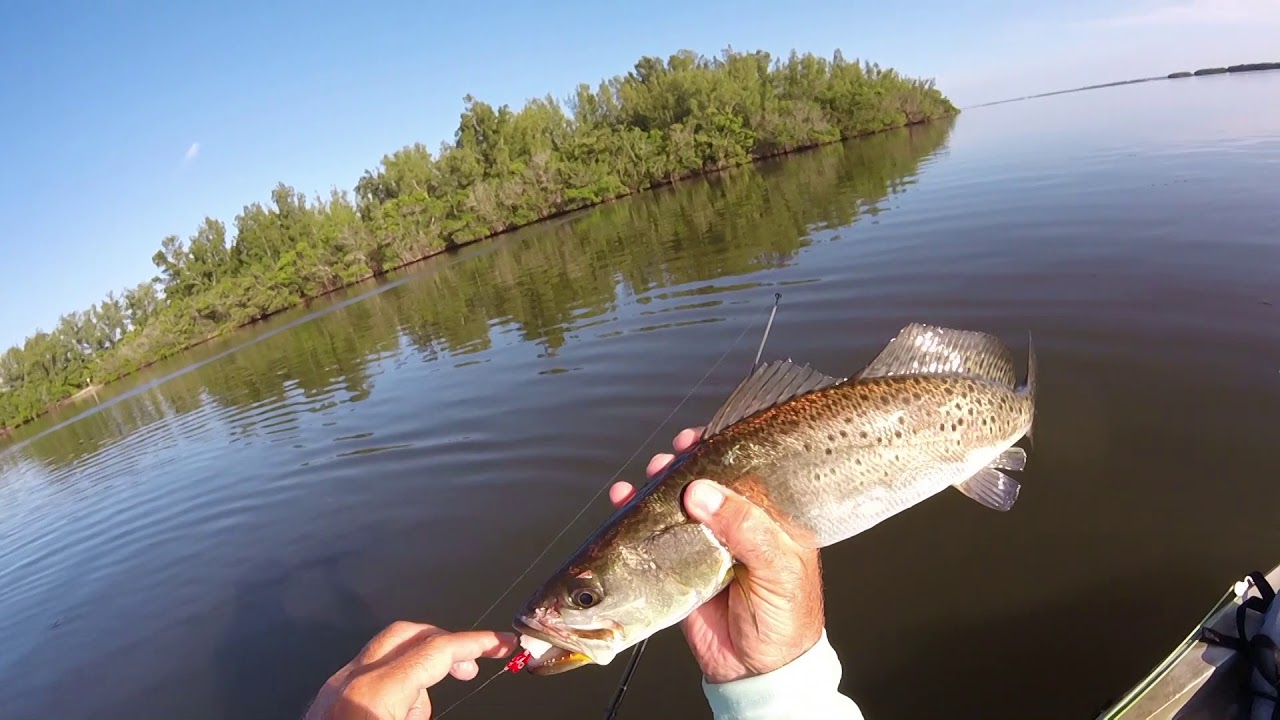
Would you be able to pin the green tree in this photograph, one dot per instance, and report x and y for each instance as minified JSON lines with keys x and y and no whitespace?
{"x":663,"y":121}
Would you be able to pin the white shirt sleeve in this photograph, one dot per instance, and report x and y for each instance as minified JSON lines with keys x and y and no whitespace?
{"x":807,"y":687}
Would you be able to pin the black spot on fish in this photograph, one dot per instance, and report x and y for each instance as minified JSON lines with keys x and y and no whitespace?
{"x":844,"y":433}
{"x":864,"y":435}
{"x":830,"y":451}
{"x":917,"y":396}
{"x":897,"y":434}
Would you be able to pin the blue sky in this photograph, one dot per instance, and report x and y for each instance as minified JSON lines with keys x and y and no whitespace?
{"x":126,"y":121}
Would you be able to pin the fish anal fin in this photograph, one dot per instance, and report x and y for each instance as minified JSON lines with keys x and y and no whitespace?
{"x":771,"y":384}
{"x":991,"y":488}
{"x":931,"y":349}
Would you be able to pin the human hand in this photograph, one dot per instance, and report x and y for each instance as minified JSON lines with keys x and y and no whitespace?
{"x":388,"y":679}
{"x":776,"y":580}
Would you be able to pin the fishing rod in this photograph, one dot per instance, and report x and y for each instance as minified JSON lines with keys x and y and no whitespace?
{"x":625,"y":682}
{"x":518,"y":663}
{"x":612,"y":710}
{"x":777,"y":298}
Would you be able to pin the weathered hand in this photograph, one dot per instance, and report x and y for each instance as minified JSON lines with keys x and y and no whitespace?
{"x":776,"y":579}
{"x":388,"y":679}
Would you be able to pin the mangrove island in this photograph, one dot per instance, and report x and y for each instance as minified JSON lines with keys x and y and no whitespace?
{"x":660,"y":123}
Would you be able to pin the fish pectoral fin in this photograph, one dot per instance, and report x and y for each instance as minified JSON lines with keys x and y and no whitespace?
{"x":770,"y":385}
{"x":1015,"y":458}
{"x":930,"y":349}
{"x":991,"y":488}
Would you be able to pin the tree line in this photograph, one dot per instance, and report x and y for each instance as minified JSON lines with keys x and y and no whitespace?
{"x":588,"y":267}
{"x":659,"y":123}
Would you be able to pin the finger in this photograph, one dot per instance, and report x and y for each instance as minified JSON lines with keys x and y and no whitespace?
{"x":687,"y":438}
{"x":658,"y":462}
{"x":465,"y":670}
{"x":393,"y":636}
{"x":473,"y":644}
{"x":425,"y":664}
{"x":620,"y":493}
{"x":421,"y":709}
{"x":748,"y":533}
{"x":708,"y":624}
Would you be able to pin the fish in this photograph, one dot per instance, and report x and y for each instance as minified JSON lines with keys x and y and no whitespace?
{"x":827,"y":458}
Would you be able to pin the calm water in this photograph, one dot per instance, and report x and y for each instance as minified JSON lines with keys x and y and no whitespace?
{"x":224,"y":531}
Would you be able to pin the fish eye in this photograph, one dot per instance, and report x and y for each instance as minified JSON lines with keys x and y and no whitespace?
{"x":585,"y":598}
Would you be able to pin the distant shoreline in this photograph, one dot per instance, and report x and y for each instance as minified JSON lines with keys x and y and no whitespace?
{"x":6,"y":431}
{"x":682,"y":117}
{"x":1246,"y":67}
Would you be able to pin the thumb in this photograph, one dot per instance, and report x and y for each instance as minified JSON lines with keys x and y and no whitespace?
{"x":748,"y":533}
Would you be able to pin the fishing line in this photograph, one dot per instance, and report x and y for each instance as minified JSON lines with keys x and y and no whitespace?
{"x":625,"y":682}
{"x":460,"y":700}
{"x":518,"y":663}
{"x":618,"y":473}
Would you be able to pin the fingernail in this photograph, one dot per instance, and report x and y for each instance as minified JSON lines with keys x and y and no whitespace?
{"x":706,"y":496}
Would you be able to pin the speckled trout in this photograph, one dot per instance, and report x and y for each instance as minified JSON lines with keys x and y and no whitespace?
{"x":825,"y":457}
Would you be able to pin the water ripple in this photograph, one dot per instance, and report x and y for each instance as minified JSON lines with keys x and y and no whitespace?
{"x":283,"y":492}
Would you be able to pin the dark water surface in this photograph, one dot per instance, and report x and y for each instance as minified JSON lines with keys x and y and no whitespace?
{"x":211,"y":543}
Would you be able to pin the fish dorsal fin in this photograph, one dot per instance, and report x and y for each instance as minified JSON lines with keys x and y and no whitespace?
{"x":929,"y":349}
{"x":771,"y":384}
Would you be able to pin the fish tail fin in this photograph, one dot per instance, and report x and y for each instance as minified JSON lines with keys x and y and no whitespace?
{"x":1029,"y":389}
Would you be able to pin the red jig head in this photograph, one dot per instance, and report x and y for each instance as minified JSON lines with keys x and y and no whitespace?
{"x":517,"y":663}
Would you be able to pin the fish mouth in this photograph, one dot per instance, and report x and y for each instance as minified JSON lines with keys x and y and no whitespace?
{"x":565,"y":654}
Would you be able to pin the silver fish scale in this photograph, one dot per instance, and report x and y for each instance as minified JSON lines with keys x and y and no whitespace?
{"x":845,"y":499}
{"x":923,"y":435}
